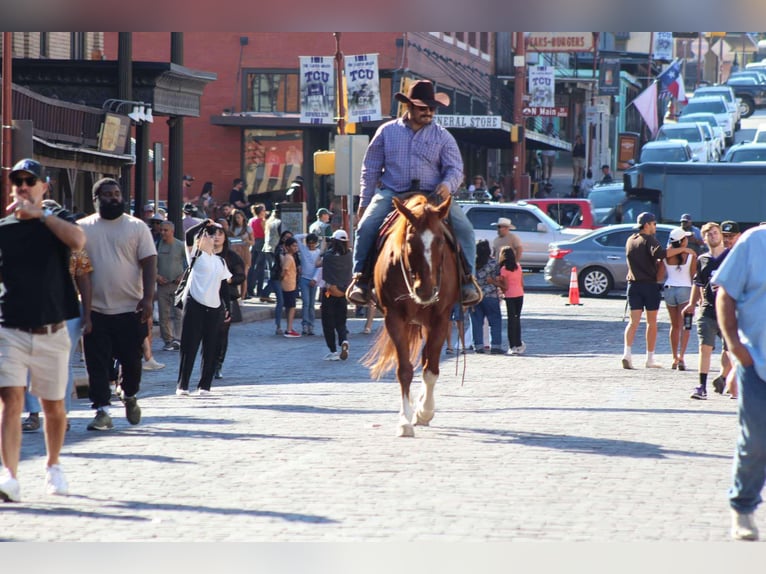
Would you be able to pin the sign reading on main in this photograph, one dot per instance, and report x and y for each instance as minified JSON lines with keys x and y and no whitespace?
{"x":556,"y":112}
{"x":560,"y":41}
{"x":476,"y":122}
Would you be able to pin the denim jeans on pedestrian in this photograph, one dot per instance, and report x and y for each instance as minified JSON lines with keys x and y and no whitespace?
{"x":31,"y":402}
{"x":275,"y":285}
{"x":256,"y":273}
{"x":308,"y":301}
{"x":750,"y":457}
{"x":379,"y":208}
{"x":489,"y":307}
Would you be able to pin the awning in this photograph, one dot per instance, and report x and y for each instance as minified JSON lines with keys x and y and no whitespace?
{"x":65,"y":156}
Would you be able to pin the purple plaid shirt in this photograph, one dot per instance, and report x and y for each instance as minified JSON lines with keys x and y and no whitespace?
{"x":397,"y":155}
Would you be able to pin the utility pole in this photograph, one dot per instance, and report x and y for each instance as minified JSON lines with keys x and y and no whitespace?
{"x":7,"y":117}
{"x":344,"y":203}
{"x":519,"y":64}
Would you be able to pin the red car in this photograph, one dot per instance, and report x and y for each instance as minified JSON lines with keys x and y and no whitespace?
{"x":569,"y":212}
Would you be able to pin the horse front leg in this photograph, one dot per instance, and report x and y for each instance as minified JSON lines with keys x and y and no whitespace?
{"x":404,"y":372}
{"x":431,"y":354}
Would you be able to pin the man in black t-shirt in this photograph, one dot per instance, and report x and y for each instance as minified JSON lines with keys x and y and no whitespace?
{"x":237,"y":195}
{"x":37,"y":296}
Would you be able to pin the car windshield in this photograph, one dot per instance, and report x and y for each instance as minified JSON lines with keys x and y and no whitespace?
{"x":760,"y":137}
{"x":667,"y":154}
{"x":606,"y":197}
{"x":690,"y":134}
{"x":714,"y":107}
{"x":725,"y":93}
{"x":748,"y":155}
{"x":702,"y":118}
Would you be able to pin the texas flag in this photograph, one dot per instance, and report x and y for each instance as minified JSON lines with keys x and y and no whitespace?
{"x":672,"y":82}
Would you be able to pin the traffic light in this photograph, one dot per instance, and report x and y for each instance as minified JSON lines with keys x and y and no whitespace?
{"x":517,"y":133}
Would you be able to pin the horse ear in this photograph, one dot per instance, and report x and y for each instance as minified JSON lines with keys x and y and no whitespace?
{"x":403,"y":209}
{"x":444,"y":207}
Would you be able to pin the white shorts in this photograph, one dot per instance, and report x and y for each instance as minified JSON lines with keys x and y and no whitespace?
{"x":44,"y":358}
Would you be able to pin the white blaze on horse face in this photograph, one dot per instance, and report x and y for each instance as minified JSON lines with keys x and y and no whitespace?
{"x":427,"y":237}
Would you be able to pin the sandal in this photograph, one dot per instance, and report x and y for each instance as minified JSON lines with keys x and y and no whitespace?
{"x":31,"y":423}
{"x":674,"y":366}
{"x":681,"y":365}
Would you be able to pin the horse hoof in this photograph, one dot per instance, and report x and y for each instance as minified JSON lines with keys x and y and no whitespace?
{"x":406,"y":431}
{"x":423,"y":418}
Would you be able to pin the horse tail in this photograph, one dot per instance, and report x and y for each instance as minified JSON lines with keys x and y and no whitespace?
{"x":382,"y":356}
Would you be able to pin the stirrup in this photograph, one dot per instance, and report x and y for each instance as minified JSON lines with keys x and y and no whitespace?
{"x":359,"y":291}
{"x":468,"y":297}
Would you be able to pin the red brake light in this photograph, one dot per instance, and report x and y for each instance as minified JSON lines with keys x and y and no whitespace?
{"x":558,"y":253}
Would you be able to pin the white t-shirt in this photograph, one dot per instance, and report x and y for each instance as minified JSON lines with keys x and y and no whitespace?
{"x":115,"y":248}
{"x":205,"y":279}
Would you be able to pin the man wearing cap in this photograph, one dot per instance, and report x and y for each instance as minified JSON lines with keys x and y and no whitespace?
{"x":186,"y":189}
{"x":321,"y":227}
{"x":506,"y":238}
{"x":124,"y":279}
{"x":407,"y":149}
{"x":741,"y":305}
{"x":645,"y":254}
{"x":189,"y":220}
{"x":695,"y":239}
{"x":37,"y":297}
{"x":336,"y":268}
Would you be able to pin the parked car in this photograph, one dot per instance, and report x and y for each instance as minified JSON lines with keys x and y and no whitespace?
{"x":535,"y":229}
{"x":718,"y":136}
{"x":750,"y":93}
{"x":667,"y":150}
{"x":758,"y":75}
{"x":760,"y":134}
{"x":571,"y":212}
{"x":726,"y":116}
{"x":727,"y":93}
{"x":746,"y":152}
{"x":599,"y":257}
{"x":694,"y":135}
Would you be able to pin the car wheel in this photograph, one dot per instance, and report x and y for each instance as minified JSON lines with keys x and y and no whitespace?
{"x":595,"y":282}
{"x":747,"y":107}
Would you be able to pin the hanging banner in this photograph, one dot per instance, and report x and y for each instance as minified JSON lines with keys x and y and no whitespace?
{"x":363,"y":87}
{"x":317,"y":90}
{"x":609,"y":77}
{"x":542,"y":86}
{"x":663,"y":46}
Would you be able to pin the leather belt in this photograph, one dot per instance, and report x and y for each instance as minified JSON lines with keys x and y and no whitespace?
{"x":44,"y":330}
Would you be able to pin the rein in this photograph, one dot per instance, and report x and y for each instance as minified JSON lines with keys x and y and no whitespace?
{"x":411,"y":294}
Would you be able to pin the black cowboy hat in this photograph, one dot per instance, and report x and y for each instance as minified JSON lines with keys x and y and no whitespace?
{"x":421,"y":93}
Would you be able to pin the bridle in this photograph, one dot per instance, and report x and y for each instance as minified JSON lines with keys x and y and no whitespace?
{"x":409,"y":277}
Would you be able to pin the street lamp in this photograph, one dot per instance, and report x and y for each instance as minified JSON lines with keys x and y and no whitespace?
{"x":140,"y":111}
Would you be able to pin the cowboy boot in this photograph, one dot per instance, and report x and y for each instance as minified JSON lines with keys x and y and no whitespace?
{"x":358,"y":291}
{"x":470,"y":293}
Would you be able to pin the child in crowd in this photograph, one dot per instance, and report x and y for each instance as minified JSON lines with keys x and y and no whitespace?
{"x":290,"y":284}
{"x":512,"y":279}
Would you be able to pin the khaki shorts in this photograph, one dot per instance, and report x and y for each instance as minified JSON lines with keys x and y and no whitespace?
{"x":45,"y":358}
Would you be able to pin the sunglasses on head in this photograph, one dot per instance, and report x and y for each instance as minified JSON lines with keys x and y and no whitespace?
{"x":30,"y":180}
{"x":425,"y":108}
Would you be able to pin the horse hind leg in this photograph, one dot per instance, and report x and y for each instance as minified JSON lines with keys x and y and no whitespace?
{"x":426,"y":404}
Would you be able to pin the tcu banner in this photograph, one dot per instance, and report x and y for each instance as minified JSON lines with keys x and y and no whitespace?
{"x":317,"y":90}
{"x":363,"y":88}
{"x":542,"y":86}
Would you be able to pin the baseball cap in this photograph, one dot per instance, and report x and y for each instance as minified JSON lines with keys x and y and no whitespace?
{"x":149,"y":207}
{"x":30,"y":166}
{"x":504,"y":222}
{"x":188,"y":177}
{"x":729,"y":227}
{"x":156,"y":217}
{"x":188,"y":208}
{"x":340,"y":235}
{"x":644,"y":218}
{"x":323,"y":211}
{"x":686,"y":217}
{"x":678,"y":233}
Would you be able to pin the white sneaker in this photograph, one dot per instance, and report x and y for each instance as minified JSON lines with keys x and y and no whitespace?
{"x":520,"y":349}
{"x":182,"y":392}
{"x":203,"y":393}
{"x":343,"y":351}
{"x":743,"y":526}
{"x":511,"y":351}
{"x":627,"y":363}
{"x":152,"y":365}
{"x":10,"y":491}
{"x":55,"y":481}
{"x":653,"y":365}
{"x":332,"y":357}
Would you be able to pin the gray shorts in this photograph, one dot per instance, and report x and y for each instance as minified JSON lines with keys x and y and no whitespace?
{"x":707,"y":331}
{"x":675,"y":296}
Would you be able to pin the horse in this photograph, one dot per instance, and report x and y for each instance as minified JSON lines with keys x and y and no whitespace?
{"x":416,"y":285}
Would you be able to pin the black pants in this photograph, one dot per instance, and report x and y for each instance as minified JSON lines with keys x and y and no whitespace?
{"x":114,"y":337}
{"x":200,"y":324}
{"x":334,"y":311}
{"x":223,"y":344}
{"x":513,"y":308}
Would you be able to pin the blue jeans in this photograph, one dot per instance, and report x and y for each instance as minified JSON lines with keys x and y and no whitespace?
{"x":379,"y":208}
{"x":31,"y":402}
{"x":750,"y":457}
{"x":489,"y":307}
{"x":308,"y":300}
{"x":275,"y":285}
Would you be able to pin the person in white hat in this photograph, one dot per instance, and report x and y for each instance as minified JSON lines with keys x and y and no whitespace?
{"x":505,"y":237}
{"x":679,"y":271}
{"x":336,"y":274}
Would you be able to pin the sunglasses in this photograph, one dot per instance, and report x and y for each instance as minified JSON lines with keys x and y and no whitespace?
{"x":425,"y":108}
{"x":30,"y":180}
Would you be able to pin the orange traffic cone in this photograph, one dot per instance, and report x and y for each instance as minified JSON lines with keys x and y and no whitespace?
{"x":574,"y":288}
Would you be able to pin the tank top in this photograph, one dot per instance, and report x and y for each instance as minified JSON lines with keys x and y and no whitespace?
{"x":678,"y":276}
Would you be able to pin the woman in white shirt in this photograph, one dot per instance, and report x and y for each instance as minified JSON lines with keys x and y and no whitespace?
{"x":204,"y":310}
{"x":679,"y":270}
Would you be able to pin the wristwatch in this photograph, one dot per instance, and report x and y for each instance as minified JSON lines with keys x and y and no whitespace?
{"x":46,"y":212}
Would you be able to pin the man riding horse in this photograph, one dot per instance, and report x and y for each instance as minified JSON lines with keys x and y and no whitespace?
{"x":405,"y":149}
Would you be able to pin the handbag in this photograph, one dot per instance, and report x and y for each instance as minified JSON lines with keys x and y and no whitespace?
{"x":179,"y":296}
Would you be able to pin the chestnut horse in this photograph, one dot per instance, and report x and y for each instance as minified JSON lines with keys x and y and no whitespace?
{"x":416,"y":286}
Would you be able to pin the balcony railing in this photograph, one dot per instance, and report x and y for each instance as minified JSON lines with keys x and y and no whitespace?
{"x":58,"y":121}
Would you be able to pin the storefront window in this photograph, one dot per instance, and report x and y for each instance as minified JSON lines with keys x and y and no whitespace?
{"x":272,"y":92}
{"x":273,"y":159}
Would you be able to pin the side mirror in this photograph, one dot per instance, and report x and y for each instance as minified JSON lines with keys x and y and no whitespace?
{"x":695,"y":157}
{"x":541,"y":227}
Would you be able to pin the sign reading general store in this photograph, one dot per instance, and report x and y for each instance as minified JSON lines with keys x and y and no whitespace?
{"x":476,"y":122}
{"x":560,"y":41}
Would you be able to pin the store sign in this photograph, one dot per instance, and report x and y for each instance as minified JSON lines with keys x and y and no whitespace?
{"x":536,"y":111}
{"x":476,"y":122}
{"x":560,"y":41}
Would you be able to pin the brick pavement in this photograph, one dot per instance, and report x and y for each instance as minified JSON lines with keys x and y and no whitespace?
{"x":559,"y":445}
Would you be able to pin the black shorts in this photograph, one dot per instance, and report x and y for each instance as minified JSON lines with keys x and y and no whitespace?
{"x":289,"y":298}
{"x":644,"y":296}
